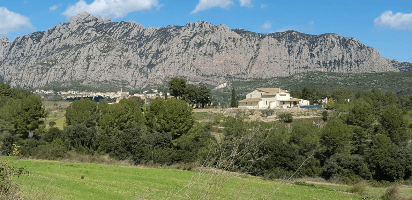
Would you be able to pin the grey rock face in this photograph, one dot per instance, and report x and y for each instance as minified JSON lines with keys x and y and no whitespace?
{"x":90,"y":50}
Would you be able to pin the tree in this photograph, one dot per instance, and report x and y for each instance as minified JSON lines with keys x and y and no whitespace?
{"x":331,"y":104}
{"x":177,"y":87}
{"x":83,"y":111}
{"x":204,"y":96}
{"x":382,"y":159}
{"x":341,"y":95}
{"x":81,"y":138}
{"x":191,"y":95}
{"x":305,"y":137}
{"x":139,"y":100}
{"x":362,"y":114}
{"x":199,"y":95}
{"x":28,"y":115}
{"x":126,"y":114}
{"x":394,"y":124}
{"x":336,"y":137}
{"x":172,"y":116}
{"x":233,"y":102}
{"x":313,"y":95}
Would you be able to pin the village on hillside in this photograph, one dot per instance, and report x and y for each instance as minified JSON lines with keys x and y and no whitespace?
{"x":260,"y":98}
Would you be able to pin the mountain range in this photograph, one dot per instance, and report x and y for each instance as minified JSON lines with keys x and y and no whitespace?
{"x":93,"y":51}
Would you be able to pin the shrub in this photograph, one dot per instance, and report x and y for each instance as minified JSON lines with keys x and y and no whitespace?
{"x":52,"y":123}
{"x":267,"y":112}
{"x":54,"y":150}
{"x":358,"y":188}
{"x":391,"y":193}
{"x":285,"y":117}
{"x":9,"y":190}
{"x":325,"y":116}
{"x":350,"y":169}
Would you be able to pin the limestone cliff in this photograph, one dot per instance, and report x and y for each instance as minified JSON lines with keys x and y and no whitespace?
{"x":93,"y":50}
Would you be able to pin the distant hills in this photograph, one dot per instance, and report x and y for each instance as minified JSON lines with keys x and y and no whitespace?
{"x":94,"y":51}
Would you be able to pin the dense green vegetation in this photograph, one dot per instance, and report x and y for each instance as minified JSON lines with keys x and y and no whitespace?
{"x":368,"y":138}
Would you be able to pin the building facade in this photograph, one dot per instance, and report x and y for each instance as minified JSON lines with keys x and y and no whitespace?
{"x":270,"y":98}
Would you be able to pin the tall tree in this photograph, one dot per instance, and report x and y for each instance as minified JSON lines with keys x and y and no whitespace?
{"x":83,"y":111}
{"x":191,"y":95}
{"x":233,"y":102}
{"x":336,"y":138}
{"x":171,"y":116}
{"x":394,"y":124}
{"x":204,"y":97}
{"x":177,"y":87}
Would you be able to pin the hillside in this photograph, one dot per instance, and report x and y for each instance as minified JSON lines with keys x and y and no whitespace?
{"x":94,"y":51}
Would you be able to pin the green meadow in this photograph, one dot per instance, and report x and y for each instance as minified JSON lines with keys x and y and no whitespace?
{"x":66,"y":180}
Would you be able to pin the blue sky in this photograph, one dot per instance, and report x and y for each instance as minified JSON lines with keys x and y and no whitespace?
{"x":382,"y":24}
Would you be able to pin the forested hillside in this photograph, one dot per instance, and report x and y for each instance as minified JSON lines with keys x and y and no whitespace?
{"x":368,"y":138}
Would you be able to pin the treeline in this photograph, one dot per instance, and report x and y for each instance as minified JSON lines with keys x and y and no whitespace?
{"x":165,"y":133}
{"x":367,"y":138}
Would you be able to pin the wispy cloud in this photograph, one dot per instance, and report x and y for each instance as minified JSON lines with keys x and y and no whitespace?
{"x":301,"y":28}
{"x":207,"y":4}
{"x":263,"y":6}
{"x":267,"y":26}
{"x":395,"y":21}
{"x":53,"y":8}
{"x":11,"y":22}
{"x":110,"y":8}
{"x":245,"y":3}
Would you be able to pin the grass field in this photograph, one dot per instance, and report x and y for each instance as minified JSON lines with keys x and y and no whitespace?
{"x":56,"y":111}
{"x":65,"y":180}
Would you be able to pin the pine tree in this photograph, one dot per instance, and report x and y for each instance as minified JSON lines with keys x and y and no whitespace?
{"x":233,"y":102}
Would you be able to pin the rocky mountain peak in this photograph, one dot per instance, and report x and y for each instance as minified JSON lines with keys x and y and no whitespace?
{"x":90,"y":50}
{"x":4,"y":39}
{"x":88,"y":19}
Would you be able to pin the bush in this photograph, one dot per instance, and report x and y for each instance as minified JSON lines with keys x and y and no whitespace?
{"x":358,"y":188}
{"x":285,"y":117}
{"x":54,"y":150}
{"x":9,"y":190}
{"x":267,"y":112}
{"x":325,"y":116}
{"x":350,"y":169}
{"x":391,"y":193}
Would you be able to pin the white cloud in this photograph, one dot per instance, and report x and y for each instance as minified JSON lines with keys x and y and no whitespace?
{"x":267,"y":26}
{"x":110,"y":8}
{"x":245,"y":3}
{"x":11,"y":22}
{"x":53,"y":8}
{"x":395,"y":21}
{"x":263,"y":6}
{"x":206,"y":4}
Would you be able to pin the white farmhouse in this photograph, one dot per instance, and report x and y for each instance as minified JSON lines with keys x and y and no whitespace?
{"x":264,"y":98}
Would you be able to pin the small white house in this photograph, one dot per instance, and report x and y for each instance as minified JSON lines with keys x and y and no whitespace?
{"x":264,"y":98}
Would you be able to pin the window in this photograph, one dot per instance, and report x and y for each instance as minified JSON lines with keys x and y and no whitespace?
{"x":282,"y":94}
{"x":250,"y":96}
{"x":266,"y":102}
